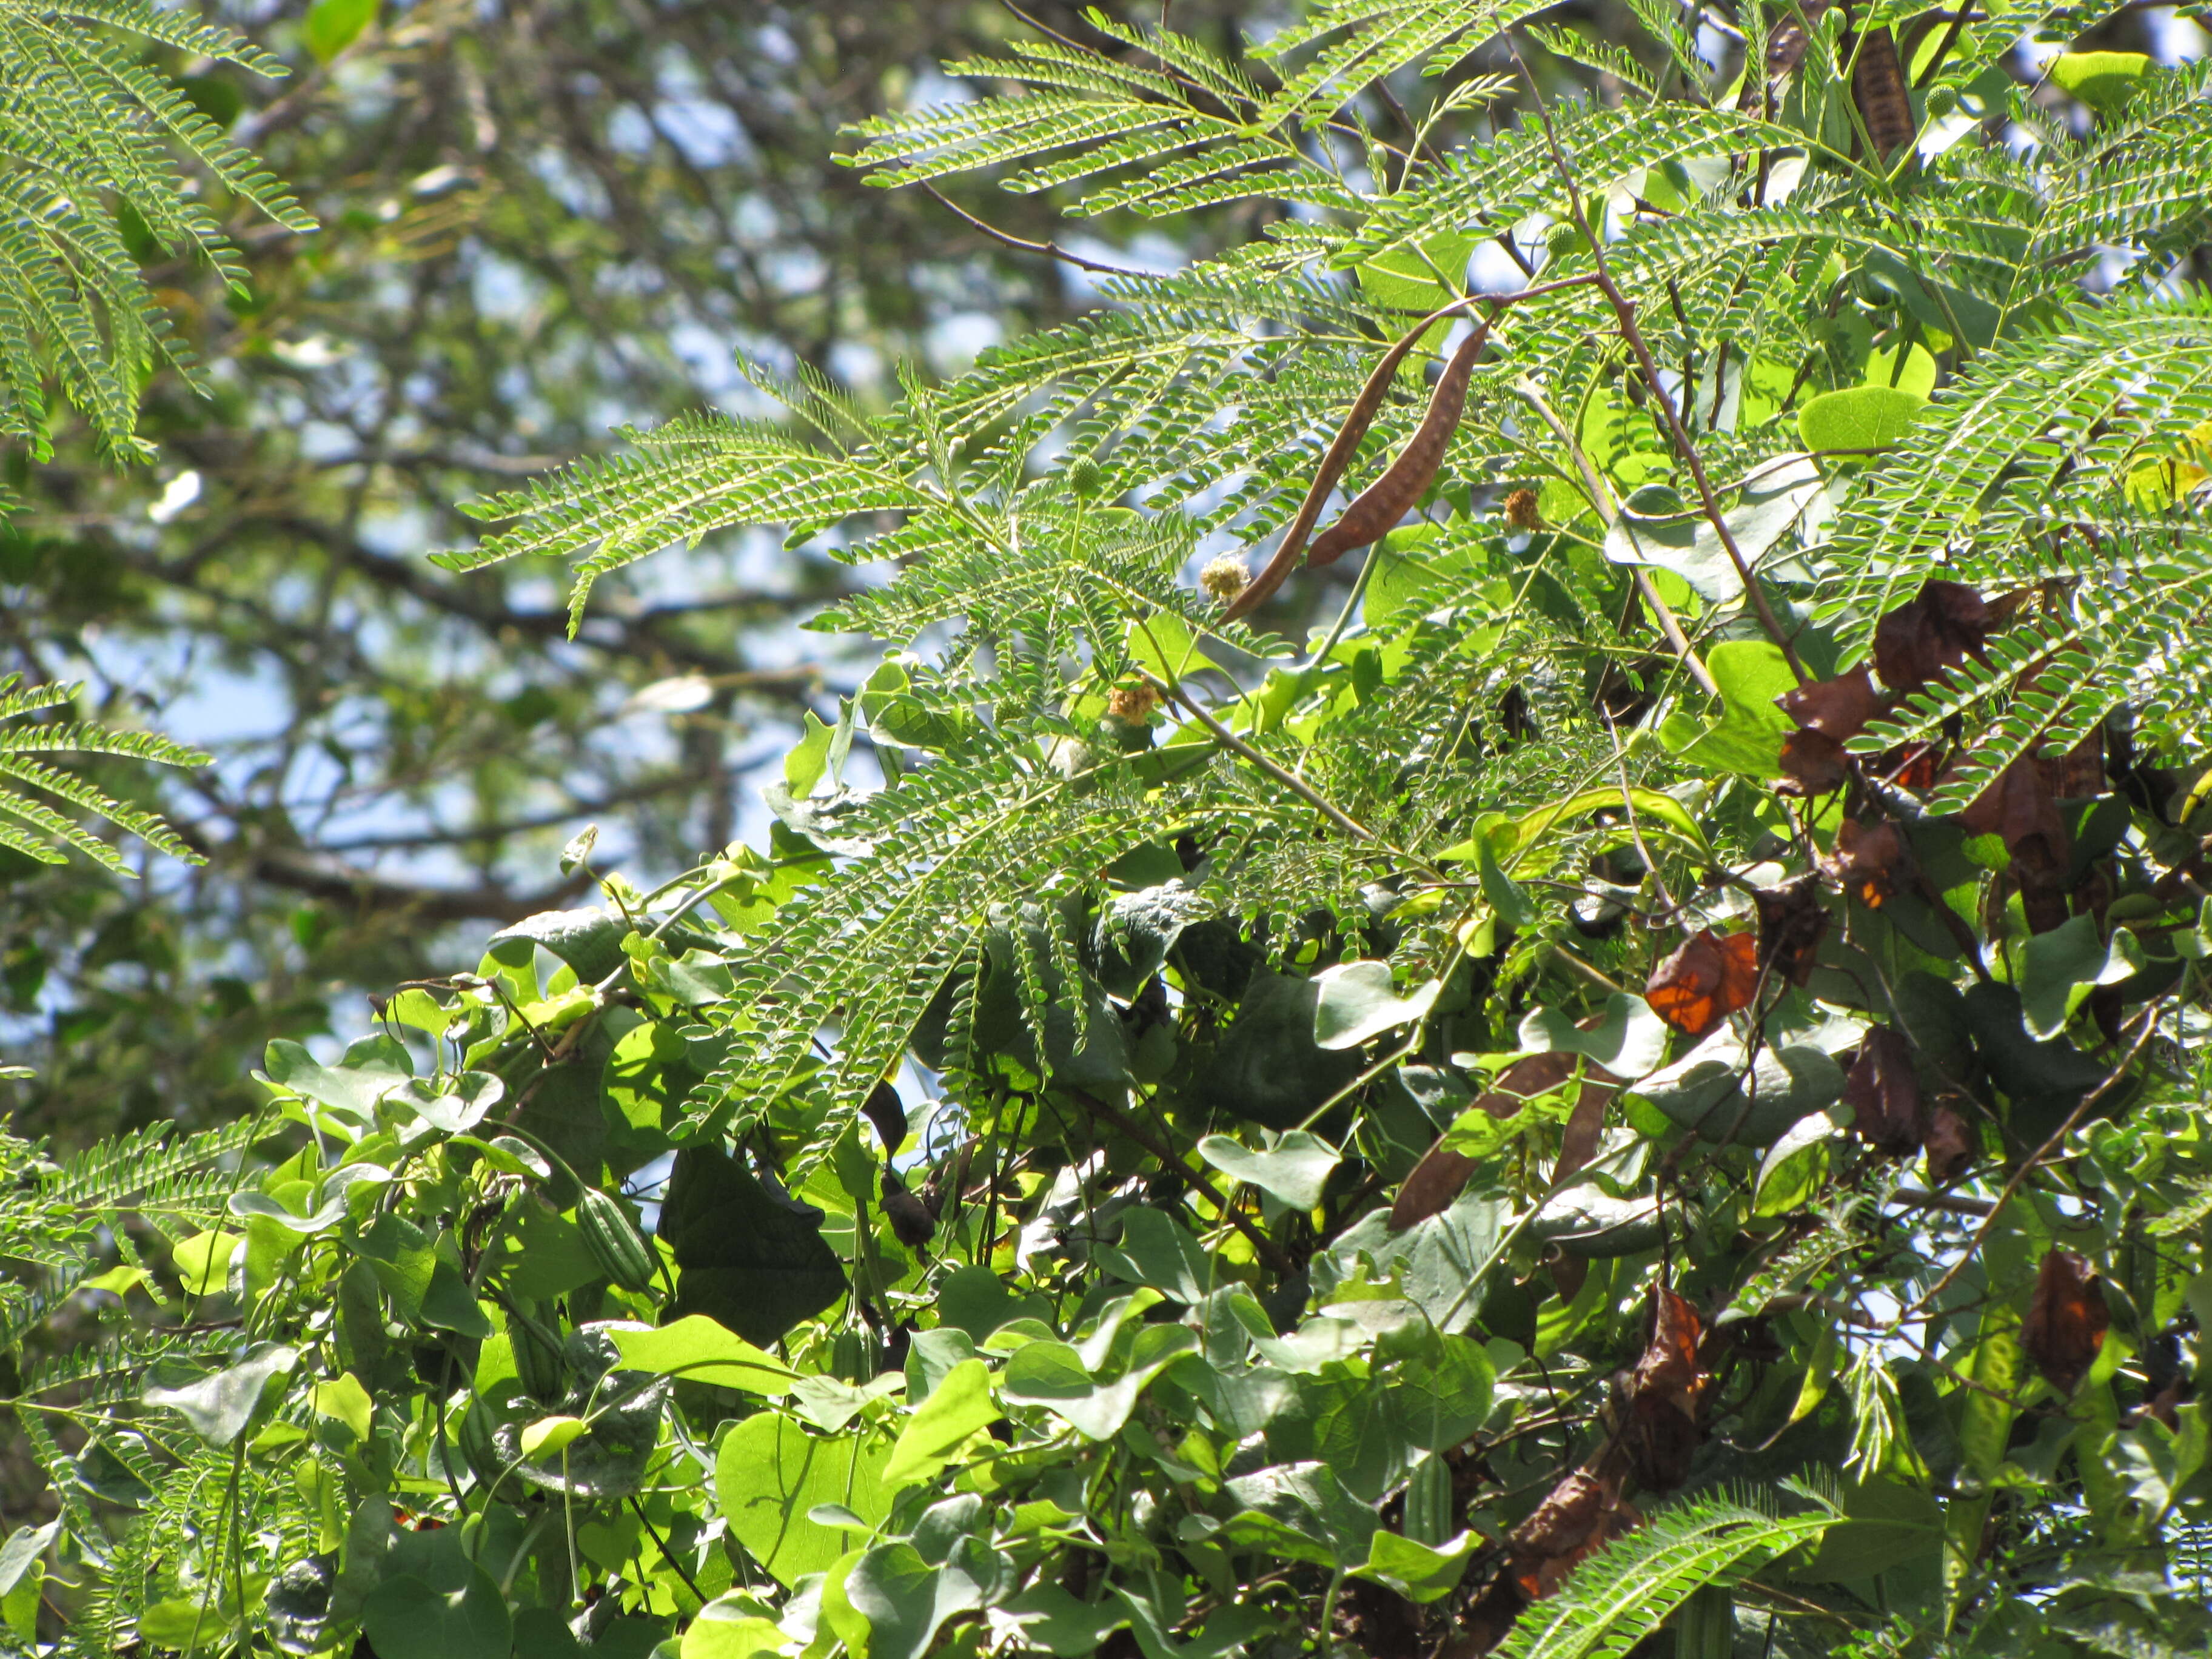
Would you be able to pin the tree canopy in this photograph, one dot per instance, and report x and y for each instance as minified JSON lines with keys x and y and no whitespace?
{"x":1559,"y":1010}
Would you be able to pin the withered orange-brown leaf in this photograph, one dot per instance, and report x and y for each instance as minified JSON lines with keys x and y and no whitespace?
{"x":1937,"y":630}
{"x":1813,"y":763}
{"x":1878,"y":89}
{"x":1391,"y":496}
{"x":1576,"y":1519}
{"x":1909,"y":766}
{"x":1429,"y":1190}
{"x":1841,"y":706}
{"x":1873,"y":862}
{"x":1660,"y":1432}
{"x":2066,"y":1322}
{"x":2018,"y":807}
{"x":1792,"y":921}
{"x":1710,"y":978}
{"x":888,"y":1113}
{"x":1883,"y":1091}
{"x":1667,"y":1368}
{"x":1949,"y":1145}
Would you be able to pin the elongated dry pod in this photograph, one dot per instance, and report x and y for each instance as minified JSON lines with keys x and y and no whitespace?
{"x":1786,"y":51}
{"x":1391,"y":496}
{"x":1878,"y":89}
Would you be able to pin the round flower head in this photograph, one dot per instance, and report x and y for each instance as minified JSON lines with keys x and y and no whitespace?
{"x":1225,"y":578}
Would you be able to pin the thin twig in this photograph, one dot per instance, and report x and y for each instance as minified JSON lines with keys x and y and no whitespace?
{"x":1244,"y":751}
{"x":1685,"y":445}
{"x":1051,"y":250}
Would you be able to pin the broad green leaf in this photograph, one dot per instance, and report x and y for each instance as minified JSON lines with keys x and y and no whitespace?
{"x":334,"y":25}
{"x":770,"y":1473}
{"x":220,"y":1406}
{"x":1794,"y":1165}
{"x":550,"y":1436}
{"x":246,"y":1205}
{"x":1704,"y":1090}
{"x":1359,"y":1002}
{"x":2059,"y":970}
{"x":697,"y":1349}
{"x":1628,"y":1042}
{"x":1406,"y":278}
{"x":1164,"y":643}
{"x":345,"y":1401}
{"x":956,"y":1408}
{"x":406,"y":1619}
{"x":25,"y":1546}
{"x":725,"y":1630}
{"x":1294,"y":1169}
{"x":802,"y":768}
{"x":1054,"y":1375}
{"x":203,"y":1261}
{"x":1051,"y":1619}
{"x":588,"y":939}
{"x":1860,"y":417}
{"x":2102,"y":80}
{"x":1656,"y":527}
{"x":1747,"y":736}
{"x":1506,"y":837}
{"x":351,"y":1091}
{"x":904,"y":1599}
{"x":1414,"y":1569}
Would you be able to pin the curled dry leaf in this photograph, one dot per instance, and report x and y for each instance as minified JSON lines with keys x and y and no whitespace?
{"x":1937,"y":630}
{"x":2066,"y":1322}
{"x":1883,"y":1091}
{"x":1840,"y":707}
{"x":1792,"y":921}
{"x":1813,"y":763}
{"x":1873,"y":862}
{"x":1659,"y":1430}
{"x":1705,"y":981}
{"x":1575,"y":1520}
{"x":888,"y":1113}
{"x":2018,"y":807}
{"x":912,"y":1221}
{"x":1949,"y":1145}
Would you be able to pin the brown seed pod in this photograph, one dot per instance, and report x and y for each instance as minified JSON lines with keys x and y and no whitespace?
{"x":1363,"y":409}
{"x":1878,"y":89}
{"x":1391,"y":496}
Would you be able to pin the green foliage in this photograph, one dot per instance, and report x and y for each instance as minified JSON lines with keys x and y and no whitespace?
{"x":1413,"y":1121}
{"x":89,"y":138}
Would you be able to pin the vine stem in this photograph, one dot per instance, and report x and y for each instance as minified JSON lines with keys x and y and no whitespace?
{"x":2034,"y":1160}
{"x":1685,"y":445}
{"x":1670,"y":625}
{"x":1266,"y":1247}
